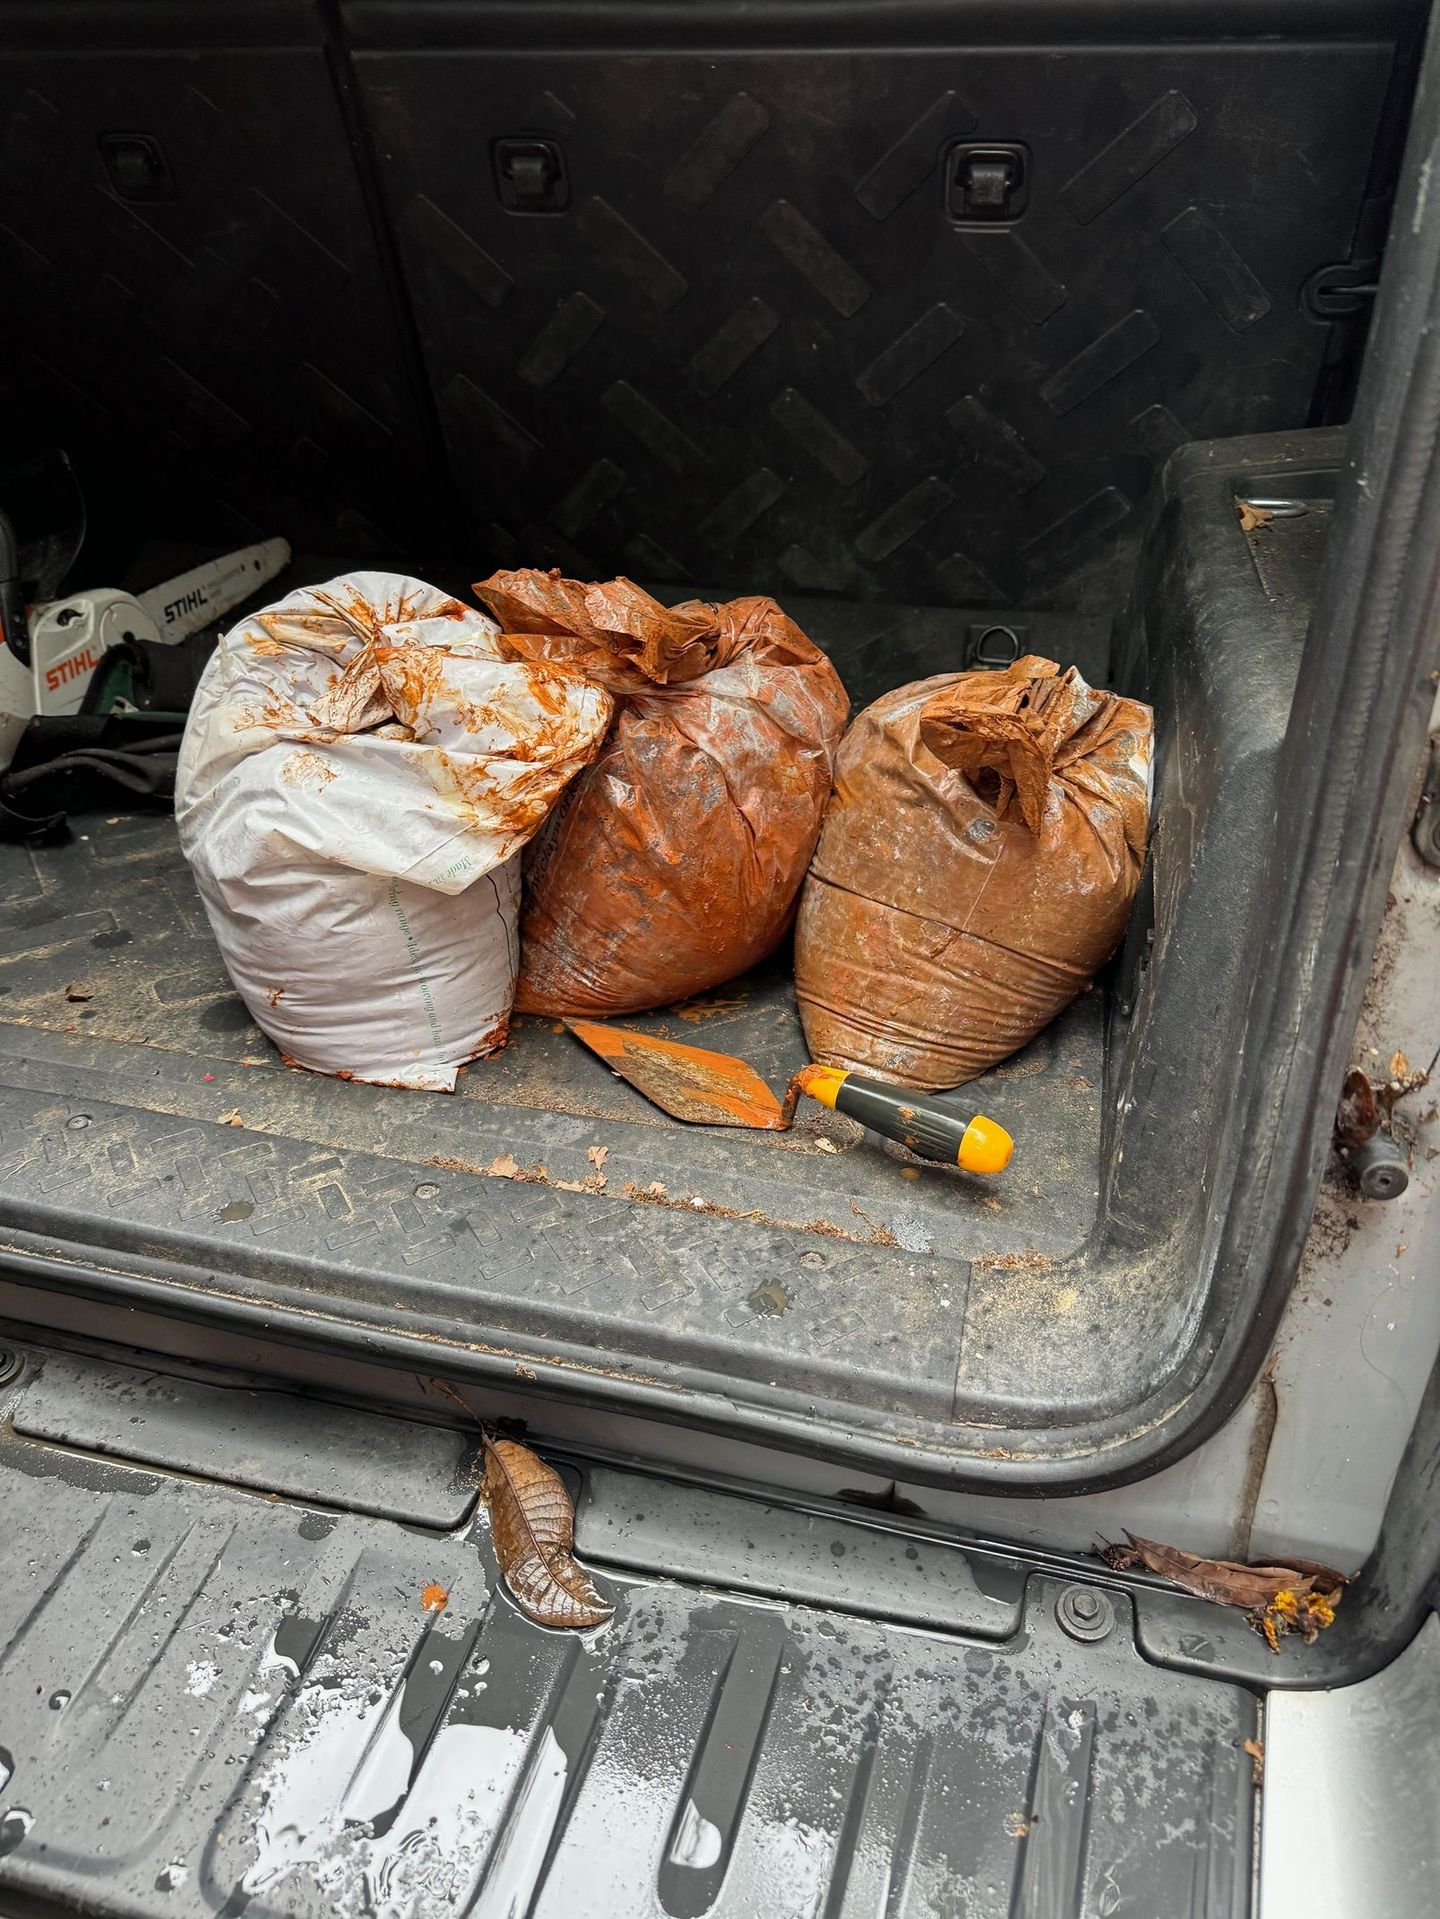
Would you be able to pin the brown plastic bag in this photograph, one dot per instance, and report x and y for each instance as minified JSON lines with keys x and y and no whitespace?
{"x":675,"y":859}
{"x":976,"y":867}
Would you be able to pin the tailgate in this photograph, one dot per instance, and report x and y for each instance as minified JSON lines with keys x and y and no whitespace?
{"x":213,"y":1699}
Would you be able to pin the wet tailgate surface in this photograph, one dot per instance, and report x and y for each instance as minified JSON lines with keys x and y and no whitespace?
{"x":210,"y":1701}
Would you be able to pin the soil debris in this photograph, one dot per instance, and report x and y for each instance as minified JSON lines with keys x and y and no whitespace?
{"x":1028,"y":1261}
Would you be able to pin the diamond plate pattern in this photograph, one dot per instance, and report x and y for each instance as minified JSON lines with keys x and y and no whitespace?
{"x":235,"y":343}
{"x":114,"y":1131}
{"x":799,"y":372}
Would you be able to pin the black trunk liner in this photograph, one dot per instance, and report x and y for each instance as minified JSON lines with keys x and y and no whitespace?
{"x":143,"y":1110}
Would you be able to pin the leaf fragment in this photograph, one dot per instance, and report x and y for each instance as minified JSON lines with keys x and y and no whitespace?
{"x":504,"y":1166}
{"x":232,"y":1118}
{"x":1298,"y":1597}
{"x":532,"y":1525}
{"x":597,"y":1156}
{"x":1357,"y":1118}
{"x":1256,"y":1751}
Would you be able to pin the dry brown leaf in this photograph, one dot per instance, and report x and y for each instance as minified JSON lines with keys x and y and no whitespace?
{"x":1399,"y":1066}
{"x":504,"y":1166}
{"x":1257,"y":1752}
{"x":656,"y":1189}
{"x":1357,"y":1118}
{"x":1224,"y":1580}
{"x":597,"y":1156}
{"x":532,"y":1524}
{"x":232,"y":1118}
{"x":77,"y":992}
{"x":1252,"y":517}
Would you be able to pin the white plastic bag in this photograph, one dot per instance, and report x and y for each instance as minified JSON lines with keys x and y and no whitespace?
{"x":359,"y":772}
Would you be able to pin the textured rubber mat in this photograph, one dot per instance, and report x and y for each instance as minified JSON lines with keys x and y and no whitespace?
{"x":754,"y":342}
{"x":213,"y":1702}
{"x":546,"y":1202}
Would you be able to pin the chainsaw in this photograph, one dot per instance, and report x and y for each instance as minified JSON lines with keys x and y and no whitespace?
{"x":98,"y":683}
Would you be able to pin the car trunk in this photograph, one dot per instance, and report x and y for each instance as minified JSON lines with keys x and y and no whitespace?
{"x":719,"y":299}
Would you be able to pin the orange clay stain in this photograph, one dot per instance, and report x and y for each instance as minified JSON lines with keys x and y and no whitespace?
{"x":675,"y":860}
{"x":304,"y":768}
{"x":434,"y":1598}
{"x":1013,"y":809}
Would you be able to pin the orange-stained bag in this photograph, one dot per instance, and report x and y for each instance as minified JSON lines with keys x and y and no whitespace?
{"x":976,"y":867}
{"x":675,"y":860}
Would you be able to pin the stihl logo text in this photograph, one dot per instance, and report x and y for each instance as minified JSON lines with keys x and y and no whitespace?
{"x":187,"y":603}
{"x":71,"y":669}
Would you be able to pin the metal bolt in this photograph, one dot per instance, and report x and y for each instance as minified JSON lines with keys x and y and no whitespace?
{"x":1379,"y":1168}
{"x":77,"y":1120}
{"x":1085,"y":1613}
{"x":10,"y":1364}
{"x":427,"y":1191}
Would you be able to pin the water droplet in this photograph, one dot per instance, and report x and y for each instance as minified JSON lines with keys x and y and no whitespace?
{"x":59,"y":1701}
{"x":13,"y":1828}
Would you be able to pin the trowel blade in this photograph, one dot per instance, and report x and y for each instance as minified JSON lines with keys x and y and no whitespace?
{"x":706,"y":1089}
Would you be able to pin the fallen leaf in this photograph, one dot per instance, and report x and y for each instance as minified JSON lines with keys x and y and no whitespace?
{"x":434,"y":1598}
{"x":1257,"y":1752}
{"x":532,"y":1524}
{"x":597,"y":1156}
{"x":1399,"y":1066}
{"x":1252,"y":517}
{"x":504,"y":1166}
{"x":77,"y":993}
{"x":1225,"y":1581}
{"x":1016,"y":1824}
{"x":823,"y":1145}
{"x":1298,"y":1597}
{"x":1357,"y":1118}
{"x":656,"y":1189}
{"x":231,"y":1119}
